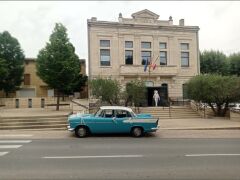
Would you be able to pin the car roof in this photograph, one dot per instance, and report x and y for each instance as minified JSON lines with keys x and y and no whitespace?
{"x":116,"y":107}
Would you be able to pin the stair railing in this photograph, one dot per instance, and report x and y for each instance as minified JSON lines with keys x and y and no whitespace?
{"x":81,"y":105}
{"x":169,"y":106}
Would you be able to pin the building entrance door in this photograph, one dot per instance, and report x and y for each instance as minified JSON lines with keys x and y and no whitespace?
{"x":162,"y":91}
{"x":150,"y":92}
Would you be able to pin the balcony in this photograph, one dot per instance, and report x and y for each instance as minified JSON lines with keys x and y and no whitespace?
{"x":138,"y":70}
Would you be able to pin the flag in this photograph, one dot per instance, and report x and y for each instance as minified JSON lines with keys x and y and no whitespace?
{"x":146,"y":65}
{"x":153,"y":65}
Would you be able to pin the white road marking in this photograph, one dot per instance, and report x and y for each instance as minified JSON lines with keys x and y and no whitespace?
{"x":15,"y":141}
{"x":202,"y":155}
{"x":86,"y":157}
{"x":3,"y":153}
{"x":16,"y":135}
{"x":9,"y":146}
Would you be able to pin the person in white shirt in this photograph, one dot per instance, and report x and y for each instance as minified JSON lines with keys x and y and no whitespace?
{"x":156,"y":97}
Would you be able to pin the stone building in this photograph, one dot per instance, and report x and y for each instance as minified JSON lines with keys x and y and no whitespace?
{"x":33,"y":86}
{"x":122,"y":50}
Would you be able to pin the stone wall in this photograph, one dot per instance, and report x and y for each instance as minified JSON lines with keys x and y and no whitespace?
{"x":35,"y":102}
{"x":203,"y":112}
{"x":235,"y":116}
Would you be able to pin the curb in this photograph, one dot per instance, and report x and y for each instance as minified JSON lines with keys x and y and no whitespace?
{"x":203,"y":128}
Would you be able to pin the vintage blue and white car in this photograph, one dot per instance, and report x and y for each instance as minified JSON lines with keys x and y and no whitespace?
{"x":112,"y":119}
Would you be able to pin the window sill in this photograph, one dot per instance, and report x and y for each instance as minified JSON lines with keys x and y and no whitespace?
{"x":105,"y":66}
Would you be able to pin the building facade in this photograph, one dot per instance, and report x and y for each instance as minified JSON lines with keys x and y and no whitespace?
{"x":33,"y":85}
{"x":123,"y":50}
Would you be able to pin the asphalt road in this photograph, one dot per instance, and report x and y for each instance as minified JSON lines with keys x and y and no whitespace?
{"x":120,"y":157}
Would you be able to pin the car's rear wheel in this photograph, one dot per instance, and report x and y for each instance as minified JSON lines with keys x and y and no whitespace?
{"x":81,"y":131}
{"x":137,"y":132}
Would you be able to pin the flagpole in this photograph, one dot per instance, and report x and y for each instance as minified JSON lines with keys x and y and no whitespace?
{"x":149,"y":71}
{"x":150,"y":65}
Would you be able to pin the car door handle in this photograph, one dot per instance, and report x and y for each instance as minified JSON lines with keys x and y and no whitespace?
{"x":114,"y":120}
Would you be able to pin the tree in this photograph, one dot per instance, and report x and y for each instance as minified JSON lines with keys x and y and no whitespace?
{"x":11,"y":63}
{"x":135,"y":91}
{"x":3,"y":70}
{"x":57,"y":63}
{"x":214,"y":62}
{"x":215,"y":89}
{"x":78,"y":84}
{"x":234,"y":60}
{"x":107,"y":90}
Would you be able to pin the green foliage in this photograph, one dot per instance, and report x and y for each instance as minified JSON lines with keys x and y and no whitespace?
{"x":215,"y":89}
{"x":3,"y":69}
{"x":214,"y":62}
{"x":107,"y":90}
{"x":80,"y":82}
{"x":136,"y":91}
{"x":110,"y":91}
{"x":234,"y":60}
{"x":57,"y":63}
{"x":11,"y":63}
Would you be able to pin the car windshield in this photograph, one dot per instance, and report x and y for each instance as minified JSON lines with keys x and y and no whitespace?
{"x":98,"y":113}
{"x":133,"y":114}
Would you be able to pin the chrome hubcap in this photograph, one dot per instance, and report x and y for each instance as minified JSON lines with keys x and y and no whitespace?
{"x":137,"y":132}
{"x":81,"y":132}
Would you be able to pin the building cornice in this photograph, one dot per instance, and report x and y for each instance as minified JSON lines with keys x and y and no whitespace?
{"x":108,"y":24}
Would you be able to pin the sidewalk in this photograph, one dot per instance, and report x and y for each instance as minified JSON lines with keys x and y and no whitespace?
{"x":198,"y":124}
{"x":33,"y":112}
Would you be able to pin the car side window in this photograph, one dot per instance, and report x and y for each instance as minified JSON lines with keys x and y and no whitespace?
{"x":122,"y":114}
{"x":109,"y":113}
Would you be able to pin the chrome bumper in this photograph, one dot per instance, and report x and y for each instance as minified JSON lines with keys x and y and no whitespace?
{"x":70,"y":129}
{"x":155,"y":129}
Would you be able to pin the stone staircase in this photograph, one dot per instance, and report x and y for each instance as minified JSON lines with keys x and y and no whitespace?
{"x":175,"y":112}
{"x":56,"y":122}
{"x":33,"y":119}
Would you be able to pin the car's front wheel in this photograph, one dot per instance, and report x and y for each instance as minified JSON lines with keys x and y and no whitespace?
{"x":137,"y":132}
{"x":81,"y":131}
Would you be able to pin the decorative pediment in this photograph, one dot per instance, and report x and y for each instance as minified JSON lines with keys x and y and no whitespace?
{"x":146,"y":14}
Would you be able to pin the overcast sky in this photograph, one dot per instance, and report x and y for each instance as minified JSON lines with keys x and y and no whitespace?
{"x":32,"y":22}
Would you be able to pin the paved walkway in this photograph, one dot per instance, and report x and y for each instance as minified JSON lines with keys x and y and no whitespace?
{"x":198,"y":124}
